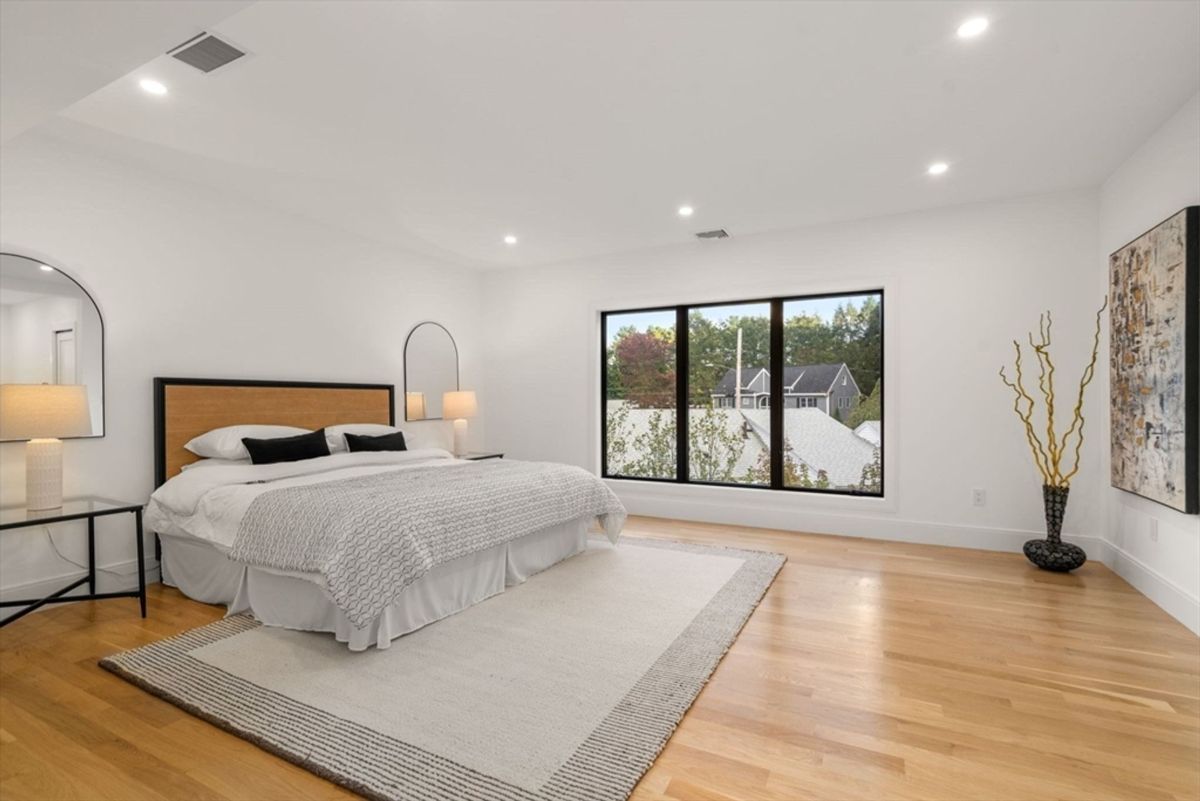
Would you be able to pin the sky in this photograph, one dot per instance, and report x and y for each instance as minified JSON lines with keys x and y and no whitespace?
{"x":822,"y":307}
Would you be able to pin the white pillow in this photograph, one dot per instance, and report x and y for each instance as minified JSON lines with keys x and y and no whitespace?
{"x":217,"y":463}
{"x":337,"y":442}
{"x":226,"y":443}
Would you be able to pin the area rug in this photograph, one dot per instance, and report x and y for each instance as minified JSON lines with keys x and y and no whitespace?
{"x":566,"y":687}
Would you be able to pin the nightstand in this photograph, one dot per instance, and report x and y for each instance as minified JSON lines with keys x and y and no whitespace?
{"x":77,"y":509}
{"x":476,"y":456}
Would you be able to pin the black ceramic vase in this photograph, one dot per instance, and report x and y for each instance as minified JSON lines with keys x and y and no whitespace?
{"x":1052,"y":553}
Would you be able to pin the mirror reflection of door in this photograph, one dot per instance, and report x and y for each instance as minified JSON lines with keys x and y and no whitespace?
{"x":50,"y":331}
{"x":64,"y":356}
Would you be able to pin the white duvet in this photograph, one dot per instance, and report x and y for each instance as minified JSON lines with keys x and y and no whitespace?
{"x":208,"y":500}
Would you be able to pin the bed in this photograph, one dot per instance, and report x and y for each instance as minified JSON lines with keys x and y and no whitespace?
{"x":206,"y":513}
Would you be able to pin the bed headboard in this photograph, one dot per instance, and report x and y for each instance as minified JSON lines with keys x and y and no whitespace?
{"x":187,"y":407}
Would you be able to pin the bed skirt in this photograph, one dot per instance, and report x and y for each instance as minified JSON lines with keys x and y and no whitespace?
{"x":204,"y":573}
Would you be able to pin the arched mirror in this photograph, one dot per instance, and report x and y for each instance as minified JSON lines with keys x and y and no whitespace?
{"x":50,"y":331}
{"x":430,"y":368}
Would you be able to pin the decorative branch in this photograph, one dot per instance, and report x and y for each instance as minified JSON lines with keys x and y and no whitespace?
{"x":1084,"y":380}
{"x":1018,"y":387}
{"x":1048,"y":457}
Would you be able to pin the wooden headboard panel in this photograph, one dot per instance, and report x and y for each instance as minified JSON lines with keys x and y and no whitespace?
{"x":187,"y":407}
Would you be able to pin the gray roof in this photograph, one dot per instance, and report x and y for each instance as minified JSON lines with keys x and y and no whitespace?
{"x":871,"y":431}
{"x":807,"y":378}
{"x":821,"y":442}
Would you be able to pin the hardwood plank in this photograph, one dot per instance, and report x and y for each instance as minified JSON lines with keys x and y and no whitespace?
{"x":871,"y":670}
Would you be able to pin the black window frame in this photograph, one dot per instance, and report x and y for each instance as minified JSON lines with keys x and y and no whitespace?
{"x":776,"y":392}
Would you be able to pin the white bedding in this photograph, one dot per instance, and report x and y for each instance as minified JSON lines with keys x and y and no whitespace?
{"x":208,"y":501}
{"x":199,"y":511}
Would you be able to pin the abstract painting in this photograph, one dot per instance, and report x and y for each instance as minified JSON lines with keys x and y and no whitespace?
{"x":1154,"y":308}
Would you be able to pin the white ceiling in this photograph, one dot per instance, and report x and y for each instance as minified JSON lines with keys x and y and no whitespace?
{"x":581,"y":127}
{"x":54,"y":53}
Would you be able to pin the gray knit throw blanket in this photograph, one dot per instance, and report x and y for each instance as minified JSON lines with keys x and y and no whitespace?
{"x":372,"y":536}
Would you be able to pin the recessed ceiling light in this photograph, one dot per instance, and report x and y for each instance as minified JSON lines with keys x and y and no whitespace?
{"x":938,"y":168}
{"x":510,"y":240}
{"x":151,"y":86}
{"x":686,"y":211}
{"x":46,"y":268}
{"x":972,"y":27}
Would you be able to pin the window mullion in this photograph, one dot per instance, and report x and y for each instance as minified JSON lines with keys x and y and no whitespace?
{"x":776,"y":396}
{"x":681,"y":393}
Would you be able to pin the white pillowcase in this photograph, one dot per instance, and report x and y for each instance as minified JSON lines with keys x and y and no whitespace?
{"x":226,"y":443}
{"x":337,"y":442}
{"x":217,"y":463}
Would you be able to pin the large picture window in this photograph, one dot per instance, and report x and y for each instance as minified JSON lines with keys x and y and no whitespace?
{"x":783,"y":393}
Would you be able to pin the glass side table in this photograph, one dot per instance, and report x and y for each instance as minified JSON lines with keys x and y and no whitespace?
{"x":77,"y":509}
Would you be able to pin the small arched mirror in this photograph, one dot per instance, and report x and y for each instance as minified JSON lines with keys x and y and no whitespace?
{"x":51,"y":331}
{"x":430,"y":368}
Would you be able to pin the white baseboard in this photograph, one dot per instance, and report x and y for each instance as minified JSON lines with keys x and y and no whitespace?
{"x":122,"y":577}
{"x":641,"y":500}
{"x":1174,"y":600}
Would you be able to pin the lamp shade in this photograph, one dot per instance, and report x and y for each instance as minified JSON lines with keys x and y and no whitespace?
{"x":44,"y":411}
{"x":414,"y":405}
{"x":459,"y":405}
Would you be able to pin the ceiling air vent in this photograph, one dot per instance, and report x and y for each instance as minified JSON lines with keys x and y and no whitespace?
{"x":206,"y":52}
{"x":719,"y":233}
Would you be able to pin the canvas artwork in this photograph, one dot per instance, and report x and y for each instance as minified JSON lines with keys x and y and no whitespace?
{"x":1154,"y":302}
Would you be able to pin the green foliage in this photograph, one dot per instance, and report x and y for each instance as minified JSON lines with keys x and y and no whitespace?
{"x":872,"y":475}
{"x":713,"y":447}
{"x":656,"y":446}
{"x":869,"y":408}
{"x":853,"y":336}
{"x":641,"y":364}
{"x":649,"y":454}
{"x":795,"y":472}
{"x":712,"y":351}
{"x":617,"y":433}
{"x":760,"y":471}
{"x":714,"y":451}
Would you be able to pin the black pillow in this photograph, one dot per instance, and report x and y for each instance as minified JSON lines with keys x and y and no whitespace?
{"x":384,"y":442}
{"x":287,"y":449}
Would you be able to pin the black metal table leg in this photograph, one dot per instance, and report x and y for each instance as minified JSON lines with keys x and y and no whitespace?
{"x":91,"y":555}
{"x":40,"y":602}
{"x":137,"y":516}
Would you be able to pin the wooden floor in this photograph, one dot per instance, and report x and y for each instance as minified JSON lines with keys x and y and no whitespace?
{"x":871,"y":670}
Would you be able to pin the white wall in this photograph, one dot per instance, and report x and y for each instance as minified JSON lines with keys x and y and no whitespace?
{"x":1159,"y":179}
{"x":960,"y":284}
{"x":194,"y":283}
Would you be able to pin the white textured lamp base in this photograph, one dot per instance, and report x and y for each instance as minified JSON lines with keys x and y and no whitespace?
{"x":460,"y":437}
{"x":43,"y":474}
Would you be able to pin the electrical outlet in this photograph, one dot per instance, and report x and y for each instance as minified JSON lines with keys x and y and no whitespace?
{"x":979,"y":497}
{"x":1153,"y":530}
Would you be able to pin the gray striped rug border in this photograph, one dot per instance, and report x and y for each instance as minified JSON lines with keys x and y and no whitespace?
{"x":606,"y":766}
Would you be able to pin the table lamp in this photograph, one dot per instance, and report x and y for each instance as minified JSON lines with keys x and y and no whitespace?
{"x":458,"y":406}
{"x":41,"y":413}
